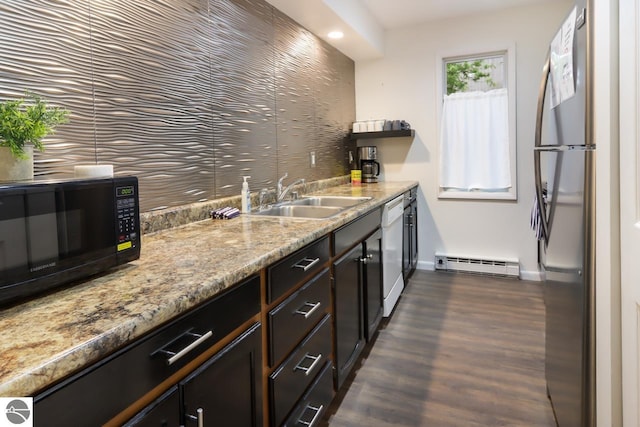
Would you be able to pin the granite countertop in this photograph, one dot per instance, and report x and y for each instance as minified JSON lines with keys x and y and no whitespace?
{"x":48,"y":338}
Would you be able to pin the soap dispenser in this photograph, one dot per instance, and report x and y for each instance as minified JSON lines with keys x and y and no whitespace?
{"x":246,"y":196}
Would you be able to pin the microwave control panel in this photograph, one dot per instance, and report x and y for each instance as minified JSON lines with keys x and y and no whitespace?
{"x":127,"y":210}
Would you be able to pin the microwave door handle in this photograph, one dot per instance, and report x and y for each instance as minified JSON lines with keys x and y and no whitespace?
{"x":542,"y":207}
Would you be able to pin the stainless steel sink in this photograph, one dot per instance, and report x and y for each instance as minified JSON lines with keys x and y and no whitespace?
{"x":338,"y":201}
{"x":301,"y":211}
{"x":318,"y":207}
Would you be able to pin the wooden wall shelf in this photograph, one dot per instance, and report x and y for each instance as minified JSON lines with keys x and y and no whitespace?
{"x":383,"y":134}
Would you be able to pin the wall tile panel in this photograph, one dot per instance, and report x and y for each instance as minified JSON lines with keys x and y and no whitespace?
{"x":296,"y":64}
{"x":45,"y":47}
{"x":243,"y":95}
{"x":189,"y":95}
{"x":328,"y":124}
{"x":153,"y":108}
{"x":347,"y":105}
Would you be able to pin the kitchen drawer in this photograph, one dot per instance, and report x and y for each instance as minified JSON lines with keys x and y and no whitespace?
{"x":293,"y":376}
{"x":292,"y":319}
{"x":291,"y":270}
{"x":101,"y":391}
{"x":348,"y":235}
{"x":314,"y":404}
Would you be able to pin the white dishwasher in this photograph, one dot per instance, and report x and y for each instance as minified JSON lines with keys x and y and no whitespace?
{"x":392,"y":282}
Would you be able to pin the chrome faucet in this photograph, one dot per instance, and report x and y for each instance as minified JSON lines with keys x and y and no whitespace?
{"x":282,"y":192}
{"x":279,"y":189}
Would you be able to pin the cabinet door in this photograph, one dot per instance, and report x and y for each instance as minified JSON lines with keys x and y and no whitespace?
{"x":414,"y":235}
{"x":349,"y":329}
{"x":164,"y":412}
{"x":227,"y":389}
{"x":373,"y":283}
{"x":406,"y":243}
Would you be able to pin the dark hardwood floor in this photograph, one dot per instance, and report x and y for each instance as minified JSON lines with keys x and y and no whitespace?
{"x":459,"y":350}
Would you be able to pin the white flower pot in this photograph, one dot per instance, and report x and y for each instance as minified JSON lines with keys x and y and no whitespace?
{"x":13,"y":169}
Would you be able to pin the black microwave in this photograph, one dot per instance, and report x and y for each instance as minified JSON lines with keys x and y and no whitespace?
{"x":56,"y":232}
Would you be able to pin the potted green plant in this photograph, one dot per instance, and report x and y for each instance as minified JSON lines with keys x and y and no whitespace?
{"x":23,"y":125}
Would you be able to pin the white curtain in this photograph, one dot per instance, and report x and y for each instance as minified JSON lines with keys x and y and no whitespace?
{"x":474,"y":141}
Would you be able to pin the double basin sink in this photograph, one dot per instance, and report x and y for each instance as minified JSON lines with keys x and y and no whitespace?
{"x":318,"y":207}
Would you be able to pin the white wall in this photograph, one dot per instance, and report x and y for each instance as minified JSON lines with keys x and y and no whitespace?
{"x":403,"y":85}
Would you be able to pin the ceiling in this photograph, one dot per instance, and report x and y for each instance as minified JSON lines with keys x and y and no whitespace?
{"x":364,"y":22}
{"x":400,"y":13}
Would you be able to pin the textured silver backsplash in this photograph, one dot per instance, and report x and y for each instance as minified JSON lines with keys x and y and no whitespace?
{"x":243,"y":95}
{"x":188,"y":95}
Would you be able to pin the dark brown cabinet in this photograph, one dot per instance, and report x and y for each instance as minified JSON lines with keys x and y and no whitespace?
{"x":272,"y":349}
{"x":299,"y":342}
{"x":372,"y":271}
{"x":357,"y":285}
{"x":292,"y":270}
{"x":349,"y":319}
{"x":358,"y":301}
{"x":315,"y":401}
{"x":292,"y":319}
{"x":227,"y":389}
{"x":288,"y":383}
{"x":410,"y":237}
{"x":163,"y":412}
{"x":102,"y":391}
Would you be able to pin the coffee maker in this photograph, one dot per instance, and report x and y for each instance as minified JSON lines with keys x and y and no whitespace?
{"x":370,"y":167}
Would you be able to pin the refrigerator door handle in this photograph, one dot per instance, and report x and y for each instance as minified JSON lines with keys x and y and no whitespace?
{"x":561,"y":148}
{"x":542,"y":92}
{"x":542,"y":207}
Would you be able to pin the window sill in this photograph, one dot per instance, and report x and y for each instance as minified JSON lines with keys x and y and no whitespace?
{"x":477,"y":195}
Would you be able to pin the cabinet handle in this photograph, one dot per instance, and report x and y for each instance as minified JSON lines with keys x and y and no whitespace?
{"x":365,"y":259}
{"x":199,"y":418}
{"x":315,"y":417}
{"x":306,"y":263}
{"x":307,"y":371}
{"x":174,"y":357}
{"x":307,"y":313}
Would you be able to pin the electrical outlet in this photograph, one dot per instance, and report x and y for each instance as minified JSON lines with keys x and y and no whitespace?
{"x":312,"y":159}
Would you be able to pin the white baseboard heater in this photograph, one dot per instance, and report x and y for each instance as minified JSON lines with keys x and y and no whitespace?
{"x":478,"y":265}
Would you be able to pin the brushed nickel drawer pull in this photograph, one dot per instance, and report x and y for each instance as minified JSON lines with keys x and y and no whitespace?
{"x":199,"y":418}
{"x":306,"y":263}
{"x":315,"y":417}
{"x":308,"y":313}
{"x":175,"y":356}
{"x":307,"y":371}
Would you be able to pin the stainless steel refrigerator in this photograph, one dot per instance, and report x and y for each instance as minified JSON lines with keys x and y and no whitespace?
{"x":564,"y":157}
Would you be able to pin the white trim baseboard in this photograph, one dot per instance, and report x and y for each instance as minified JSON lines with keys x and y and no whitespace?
{"x":531,"y":275}
{"x":426,"y":265}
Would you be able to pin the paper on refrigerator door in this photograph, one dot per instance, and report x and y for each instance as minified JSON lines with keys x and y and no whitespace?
{"x":561,"y":56}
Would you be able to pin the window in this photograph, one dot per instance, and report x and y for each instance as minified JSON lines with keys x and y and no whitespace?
{"x":477,"y":143}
